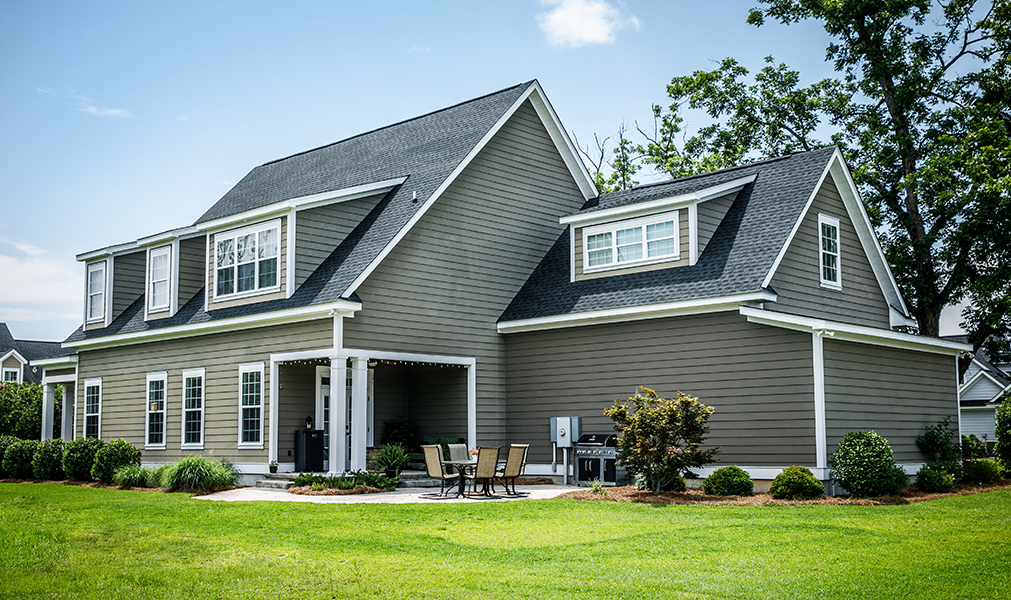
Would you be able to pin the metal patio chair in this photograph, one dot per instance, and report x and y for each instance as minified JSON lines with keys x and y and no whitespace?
{"x":437,"y":469}
{"x":458,"y":452}
{"x":516,"y":462}
{"x":484,"y":470}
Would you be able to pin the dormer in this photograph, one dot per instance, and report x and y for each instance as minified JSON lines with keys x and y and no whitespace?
{"x":621,"y":235}
{"x":114,"y":279}
{"x":175,"y":270}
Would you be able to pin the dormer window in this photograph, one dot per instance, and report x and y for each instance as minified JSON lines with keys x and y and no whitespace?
{"x":160,"y":265}
{"x":246,"y":260}
{"x":633,"y":242}
{"x":828,"y":228}
{"x":96,"y":292}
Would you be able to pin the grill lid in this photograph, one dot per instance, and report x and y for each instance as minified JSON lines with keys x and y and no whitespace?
{"x":609,"y":440}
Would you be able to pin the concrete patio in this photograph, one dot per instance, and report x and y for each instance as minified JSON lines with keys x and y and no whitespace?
{"x":399,"y":496}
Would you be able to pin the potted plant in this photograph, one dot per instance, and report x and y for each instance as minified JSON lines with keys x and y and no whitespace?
{"x":391,"y":459}
{"x":272,"y":466}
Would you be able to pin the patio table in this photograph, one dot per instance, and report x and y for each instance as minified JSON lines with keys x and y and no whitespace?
{"x":461,"y":467}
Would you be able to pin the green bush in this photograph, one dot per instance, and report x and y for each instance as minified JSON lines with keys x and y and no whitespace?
{"x":973,"y":447}
{"x":391,"y":456}
{"x":1002,"y":450}
{"x":949,"y":466}
{"x":48,"y":460}
{"x":21,"y":410}
{"x":5,"y":440}
{"x":981,"y":470}
{"x":112,"y":456}
{"x":729,"y":481}
{"x":347,"y":480}
{"x":198,"y":474}
{"x":863,"y":464}
{"x":79,"y":457}
{"x":154,"y":475}
{"x":17,"y":460}
{"x":939,"y":441}
{"x":796,"y":483}
{"x":935,"y":480}
{"x":132,"y":476}
{"x":670,"y":481}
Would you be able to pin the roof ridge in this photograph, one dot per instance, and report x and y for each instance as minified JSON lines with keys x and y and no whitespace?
{"x":371,"y":131}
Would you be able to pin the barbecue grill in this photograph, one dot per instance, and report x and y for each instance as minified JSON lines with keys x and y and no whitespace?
{"x":595,"y":455}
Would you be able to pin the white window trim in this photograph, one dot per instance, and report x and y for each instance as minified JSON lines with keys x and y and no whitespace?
{"x":87,"y":384}
{"x":201,"y":373}
{"x":827,"y":283}
{"x":252,"y":368}
{"x":614,"y":226}
{"x":88,"y":316}
{"x":163,"y":377}
{"x":234,"y":234}
{"x":17,"y":375}
{"x":151,"y":253}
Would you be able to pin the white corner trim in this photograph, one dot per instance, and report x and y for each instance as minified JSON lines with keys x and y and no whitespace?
{"x":562,"y":142}
{"x":820,"y":431}
{"x":289,"y":280}
{"x":635,"y":313}
{"x":693,"y":233}
{"x":854,"y":333}
{"x":572,"y":253}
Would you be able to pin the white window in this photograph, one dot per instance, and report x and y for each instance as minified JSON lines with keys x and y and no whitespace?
{"x":629,"y":243}
{"x":193,"y":410}
{"x":12,"y":375}
{"x":96,"y":292}
{"x":251,"y":405}
{"x":156,"y":387}
{"x":246,"y":260}
{"x":828,"y":228}
{"x":93,"y":408}
{"x":159,"y":267}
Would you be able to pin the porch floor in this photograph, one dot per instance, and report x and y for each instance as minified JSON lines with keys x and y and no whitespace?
{"x":407,"y":495}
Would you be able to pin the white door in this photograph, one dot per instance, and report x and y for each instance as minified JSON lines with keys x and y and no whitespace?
{"x":323,"y":417}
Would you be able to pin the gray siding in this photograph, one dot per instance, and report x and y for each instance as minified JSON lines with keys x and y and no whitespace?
{"x":980,"y":422}
{"x":192,"y":257}
{"x":442,"y":289}
{"x":124,"y":371}
{"x":760,"y":380}
{"x":11,"y":363}
{"x":983,"y":389}
{"x":282,"y":274}
{"x":683,"y":238}
{"x":798,"y":282}
{"x":297,"y":401}
{"x":319,"y":230}
{"x":897,"y":393}
{"x":58,"y":372}
{"x":711,"y":214}
{"x":390,"y":389}
{"x":127,"y":281}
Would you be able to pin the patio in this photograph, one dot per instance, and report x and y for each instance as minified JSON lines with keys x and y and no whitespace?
{"x":407,"y":495}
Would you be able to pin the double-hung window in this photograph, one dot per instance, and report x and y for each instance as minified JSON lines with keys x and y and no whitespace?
{"x":11,"y":375}
{"x":251,"y":405}
{"x":193,"y":409}
{"x":246,"y":260}
{"x":160,"y":265}
{"x":628,"y":243}
{"x":156,"y":388}
{"x":96,"y":292}
{"x":828,"y":233}
{"x":93,"y":408}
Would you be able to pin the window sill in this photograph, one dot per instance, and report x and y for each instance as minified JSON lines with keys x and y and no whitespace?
{"x":154,"y":446}
{"x":831,"y":286}
{"x":191,"y":447}
{"x":631,"y":264}
{"x":160,"y":309}
{"x":250,"y":446}
{"x":244,"y":295}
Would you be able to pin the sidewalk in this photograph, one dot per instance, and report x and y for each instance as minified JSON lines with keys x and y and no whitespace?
{"x":398,"y":496}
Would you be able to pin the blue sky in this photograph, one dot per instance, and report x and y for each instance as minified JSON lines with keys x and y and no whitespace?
{"x":120,"y":120}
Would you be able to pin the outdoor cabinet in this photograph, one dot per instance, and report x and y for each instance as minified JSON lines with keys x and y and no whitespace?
{"x":308,"y":450}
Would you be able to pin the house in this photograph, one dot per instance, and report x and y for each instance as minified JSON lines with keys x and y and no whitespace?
{"x":459,"y":270}
{"x":981,"y":391}
{"x":24,"y":361}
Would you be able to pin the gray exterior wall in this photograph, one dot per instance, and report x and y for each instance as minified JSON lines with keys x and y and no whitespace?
{"x":683,"y":261}
{"x":711,"y":213}
{"x":319,"y":230}
{"x":798,"y":280}
{"x":983,"y":389}
{"x":897,"y":393}
{"x":282,"y":272}
{"x":760,"y":380}
{"x":192,"y":266}
{"x":297,"y":401}
{"x":980,"y":422}
{"x":390,"y":392}
{"x":127,"y":281}
{"x":124,"y":370}
{"x":442,"y":289}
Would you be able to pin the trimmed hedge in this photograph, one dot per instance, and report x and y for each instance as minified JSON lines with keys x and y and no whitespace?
{"x":863,"y":464}
{"x":934,"y":479}
{"x":79,"y":457}
{"x":796,"y":483}
{"x":17,"y":460}
{"x":114,"y":455}
{"x":48,"y":460}
{"x":981,"y":470}
{"x":5,"y":441}
{"x":729,"y":481}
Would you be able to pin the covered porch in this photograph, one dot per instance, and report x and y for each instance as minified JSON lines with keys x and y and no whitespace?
{"x":432,"y":394}
{"x":62,"y":372}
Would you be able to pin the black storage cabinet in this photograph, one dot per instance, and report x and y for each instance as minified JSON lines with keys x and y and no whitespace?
{"x":308,"y":450}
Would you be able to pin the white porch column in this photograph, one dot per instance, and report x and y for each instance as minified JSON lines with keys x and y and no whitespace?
{"x":67,"y":416}
{"x":359,"y":411}
{"x":338,"y":415}
{"x":48,"y":408}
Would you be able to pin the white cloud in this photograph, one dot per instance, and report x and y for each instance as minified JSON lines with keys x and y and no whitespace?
{"x":41,"y":297}
{"x":23,"y":246}
{"x":575,"y":23}
{"x":104,"y":112}
{"x":419,"y":50}
{"x":86,"y":103}
{"x":951,"y":319}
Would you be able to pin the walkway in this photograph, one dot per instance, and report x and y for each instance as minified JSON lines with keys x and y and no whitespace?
{"x":398,"y":496}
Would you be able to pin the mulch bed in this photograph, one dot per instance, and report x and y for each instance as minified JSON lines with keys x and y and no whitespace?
{"x":910,"y":494}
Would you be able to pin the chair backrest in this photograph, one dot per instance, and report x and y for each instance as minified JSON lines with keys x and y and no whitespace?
{"x":515,"y":461}
{"x":433,"y":460}
{"x":487,"y":462}
{"x":458,"y":452}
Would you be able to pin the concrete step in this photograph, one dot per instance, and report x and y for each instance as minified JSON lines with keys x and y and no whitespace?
{"x":277,"y":484}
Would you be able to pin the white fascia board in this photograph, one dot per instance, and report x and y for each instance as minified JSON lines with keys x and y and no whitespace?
{"x":61,"y":362}
{"x":300,"y":203}
{"x":641,"y":208}
{"x":17,"y":356}
{"x":463,"y":361}
{"x":854,"y":333}
{"x":897,"y":319}
{"x":635,"y":313}
{"x":169,"y":236}
{"x":294,"y":315}
{"x":563,"y":144}
{"x":992,"y":407}
{"x":107,"y":251}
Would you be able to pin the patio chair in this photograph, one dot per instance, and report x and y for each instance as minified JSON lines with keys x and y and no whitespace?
{"x":437,"y":469}
{"x":484,"y":470}
{"x":458,"y":452}
{"x":516,"y":462}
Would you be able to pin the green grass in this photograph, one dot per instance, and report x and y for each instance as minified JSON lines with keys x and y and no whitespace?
{"x":66,"y":541}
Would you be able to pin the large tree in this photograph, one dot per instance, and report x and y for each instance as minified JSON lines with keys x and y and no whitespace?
{"x":921,"y":112}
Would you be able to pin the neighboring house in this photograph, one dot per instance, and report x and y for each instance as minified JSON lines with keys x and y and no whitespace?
{"x":23,"y":361}
{"x":460,"y":271}
{"x":980,"y":393}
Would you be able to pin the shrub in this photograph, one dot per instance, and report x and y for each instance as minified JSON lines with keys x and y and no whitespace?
{"x":863,"y":464}
{"x":5,"y":440}
{"x":21,"y":410}
{"x":981,"y":470}
{"x":973,"y":447}
{"x":1003,"y":434}
{"x":198,"y":473}
{"x":48,"y":460}
{"x":938,"y":442}
{"x":670,"y":481}
{"x":949,"y":466}
{"x":154,"y":475}
{"x":396,"y":431}
{"x":347,"y":480}
{"x":391,"y":456}
{"x":79,"y":457}
{"x":935,"y":480}
{"x":796,"y":483}
{"x":17,"y":460}
{"x":132,"y":476}
{"x":112,"y":456}
{"x":729,"y":481}
{"x":661,"y":437}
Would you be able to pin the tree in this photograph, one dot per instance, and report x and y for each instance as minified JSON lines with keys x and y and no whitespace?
{"x":661,"y":437}
{"x":21,"y":410}
{"x":622,"y":163}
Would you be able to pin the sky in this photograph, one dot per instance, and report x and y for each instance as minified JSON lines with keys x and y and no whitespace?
{"x":121,"y":120}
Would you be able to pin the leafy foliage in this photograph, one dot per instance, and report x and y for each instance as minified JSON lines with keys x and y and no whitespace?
{"x":1003,"y":433}
{"x":5,"y":441}
{"x":396,"y":431}
{"x":132,"y":476}
{"x":661,"y":437}
{"x":981,"y":470}
{"x":938,"y":443}
{"x":198,"y":473}
{"x":973,"y":447}
{"x":863,"y":464}
{"x":79,"y":457}
{"x":729,"y":481}
{"x":796,"y":483}
{"x":112,"y":456}
{"x":949,"y":466}
{"x":48,"y":460}
{"x":21,"y":410}
{"x":347,"y":480}
{"x":17,"y":459}
{"x":934,"y":480}
{"x":391,"y":456}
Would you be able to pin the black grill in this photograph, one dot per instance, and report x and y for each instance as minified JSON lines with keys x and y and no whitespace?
{"x":595,"y":455}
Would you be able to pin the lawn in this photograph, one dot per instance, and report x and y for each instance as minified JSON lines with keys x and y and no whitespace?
{"x":68,"y":541}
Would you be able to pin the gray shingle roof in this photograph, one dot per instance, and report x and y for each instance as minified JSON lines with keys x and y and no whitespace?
{"x":31,"y":350}
{"x":736,"y":260}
